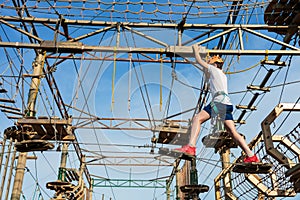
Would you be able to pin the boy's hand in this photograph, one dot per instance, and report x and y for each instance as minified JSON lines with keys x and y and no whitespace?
{"x":199,"y":50}
{"x":202,"y":50}
{"x":195,"y":48}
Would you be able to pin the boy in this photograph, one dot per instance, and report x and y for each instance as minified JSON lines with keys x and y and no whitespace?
{"x":220,"y":102}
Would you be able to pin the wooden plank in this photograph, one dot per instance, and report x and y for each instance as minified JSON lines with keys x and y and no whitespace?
{"x":10,"y":107}
{"x":60,"y":186}
{"x":11,"y":112}
{"x":194,"y":189}
{"x":13,"y":117}
{"x":7,"y":100}
{"x":246,"y":107}
{"x":49,"y":129}
{"x":2,"y":90}
{"x":43,"y":121}
{"x":61,"y":129}
{"x":252,"y":168}
{"x":39,"y":129}
{"x":71,"y":175}
{"x":68,"y":176}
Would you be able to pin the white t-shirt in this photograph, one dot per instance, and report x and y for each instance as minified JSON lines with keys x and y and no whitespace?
{"x":218,"y":83}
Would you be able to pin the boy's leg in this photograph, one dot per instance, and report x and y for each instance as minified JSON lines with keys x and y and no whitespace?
{"x":229,"y":124}
{"x":198,"y":119}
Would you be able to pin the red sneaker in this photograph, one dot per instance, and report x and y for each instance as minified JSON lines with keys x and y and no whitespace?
{"x":251,"y":159}
{"x":187,"y":149}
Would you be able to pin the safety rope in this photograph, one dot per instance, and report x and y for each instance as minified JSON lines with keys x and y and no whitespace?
{"x":161,"y":79}
{"x":113,"y":81}
{"x":129,"y":80}
{"x":247,"y":69}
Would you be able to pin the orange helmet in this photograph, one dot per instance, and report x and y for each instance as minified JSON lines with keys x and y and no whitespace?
{"x":216,"y":59}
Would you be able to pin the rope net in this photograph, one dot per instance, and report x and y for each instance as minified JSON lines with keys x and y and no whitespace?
{"x":136,"y":10}
{"x":275,"y":183}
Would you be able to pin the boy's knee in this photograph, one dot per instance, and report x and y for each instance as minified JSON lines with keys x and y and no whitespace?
{"x":198,"y":119}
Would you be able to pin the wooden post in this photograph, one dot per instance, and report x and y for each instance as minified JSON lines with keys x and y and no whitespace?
{"x":10,"y":172}
{"x":5,"y":167}
{"x":227,"y":178}
{"x":2,"y":151}
{"x":33,"y":91}
{"x":63,"y":162}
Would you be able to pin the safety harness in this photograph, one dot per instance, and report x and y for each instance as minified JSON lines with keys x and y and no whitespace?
{"x":216,"y":121}
{"x":212,"y":103}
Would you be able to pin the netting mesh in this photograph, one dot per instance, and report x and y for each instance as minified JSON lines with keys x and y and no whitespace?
{"x":274,"y":182}
{"x":138,"y":10}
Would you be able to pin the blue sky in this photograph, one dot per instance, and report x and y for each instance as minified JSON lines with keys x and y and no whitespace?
{"x":95,"y":80}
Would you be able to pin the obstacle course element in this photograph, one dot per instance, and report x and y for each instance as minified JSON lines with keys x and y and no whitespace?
{"x":172,"y":133}
{"x":219,"y":140}
{"x":11,"y":111}
{"x":42,"y":128}
{"x":193,"y":191}
{"x":33,"y":145}
{"x":175,"y":154}
{"x":60,"y":186}
{"x":281,"y":156}
{"x":70,"y":184}
{"x":32,"y":134}
{"x":190,"y":188}
{"x":252,"y":168}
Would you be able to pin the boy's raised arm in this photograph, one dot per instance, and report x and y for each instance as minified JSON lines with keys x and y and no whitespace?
{"x":197,"y":51}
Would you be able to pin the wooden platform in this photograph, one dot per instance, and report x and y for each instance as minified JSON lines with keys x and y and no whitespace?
{"x":194,"y":189}
{"x":43,"y":128}
{"x":252,"y":168}
{"x":33,"y":145}
{"x":60,"y":186}
{"x":174,"y":154}
{"x":219,"y":140}
{"x":172,"y":133}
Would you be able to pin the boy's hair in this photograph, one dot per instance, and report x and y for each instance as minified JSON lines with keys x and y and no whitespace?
{"x":218,"y":60}
{"x":219,"y":65}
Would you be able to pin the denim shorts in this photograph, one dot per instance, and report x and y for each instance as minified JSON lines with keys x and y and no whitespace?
{"x":223,"y":110}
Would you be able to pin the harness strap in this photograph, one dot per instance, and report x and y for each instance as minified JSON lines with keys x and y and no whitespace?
{"x":218,"y":93}
{"x":212,"y":104}
{"x":217,"y":122}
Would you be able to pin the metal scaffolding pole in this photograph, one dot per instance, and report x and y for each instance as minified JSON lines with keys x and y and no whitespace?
{"x":33,"y":91}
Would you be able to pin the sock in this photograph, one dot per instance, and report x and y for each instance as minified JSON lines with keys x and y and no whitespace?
{"x":250,"y":155}
{"x":191,"y":145}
